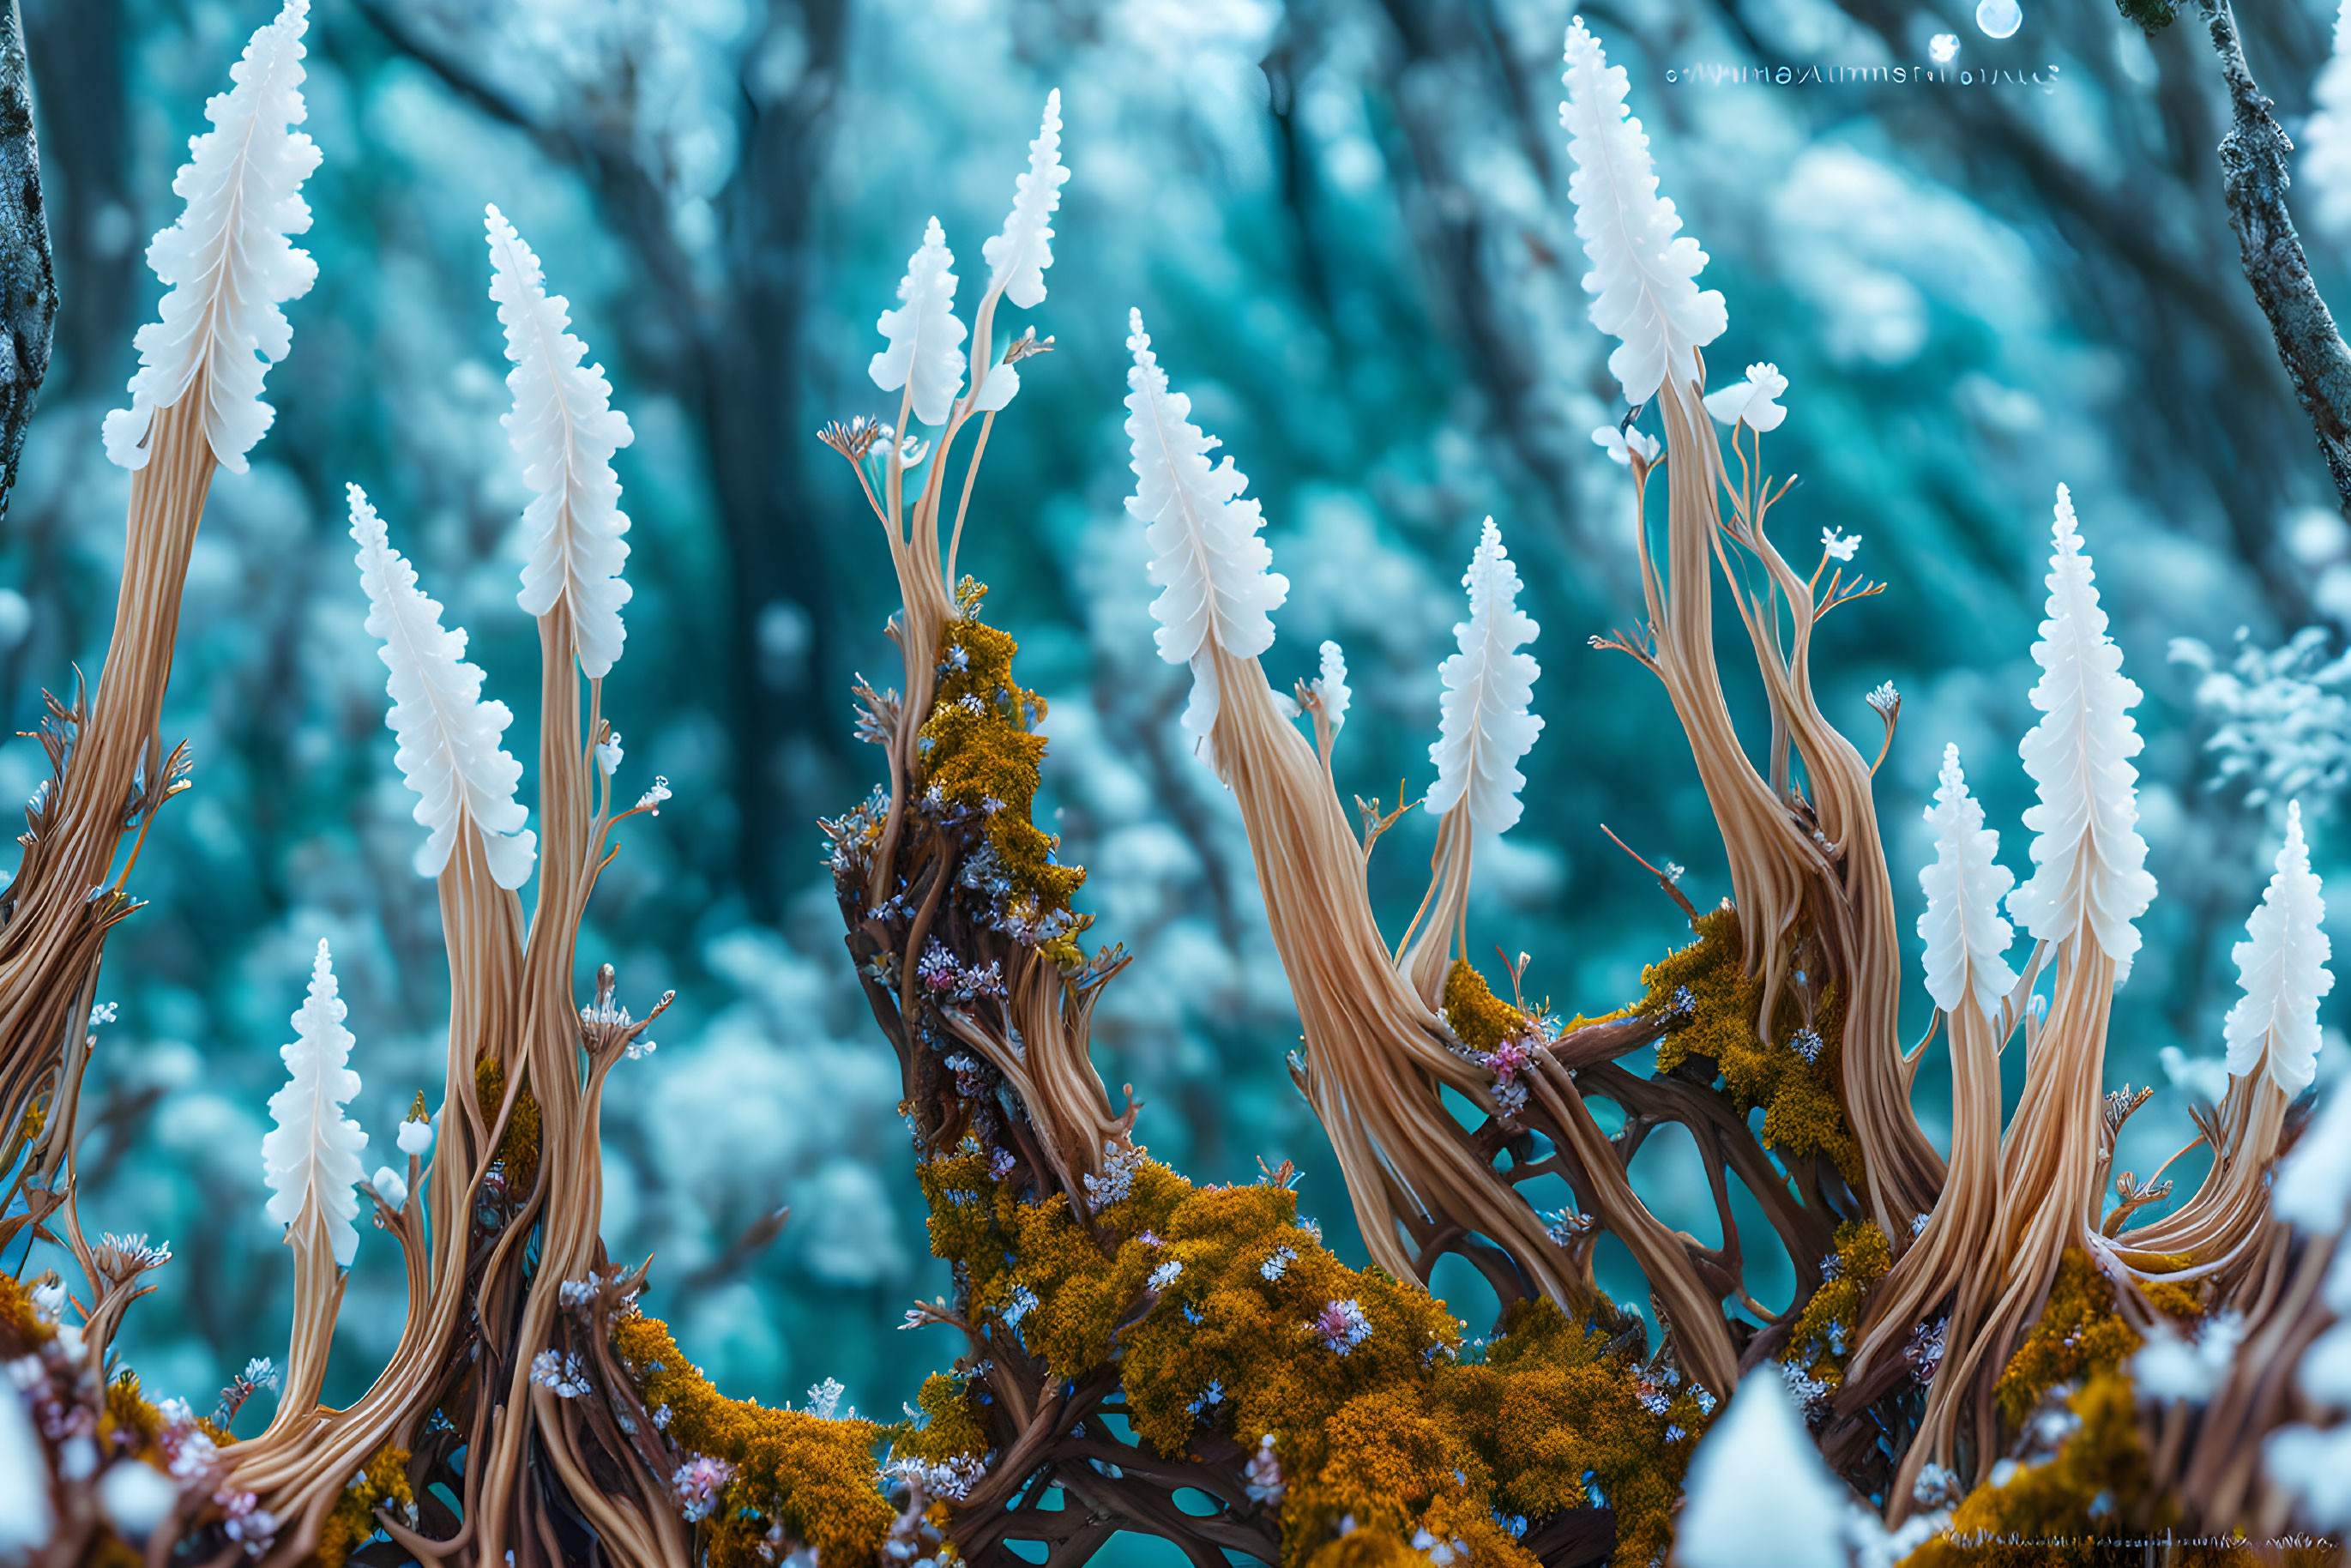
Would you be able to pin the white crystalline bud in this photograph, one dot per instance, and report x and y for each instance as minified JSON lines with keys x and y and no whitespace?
{"x":1965,"y":939}
{"x":390,"y":1187}
{"x":311,"y":1155}
{"x":609,"y":755}
{"x":2091,"y":862}
{"x":1644,"y":268}
{"x":414,"y":1138}
{"x":1758,"y":1494}
{"x":1333,"y":688}
{"x":1017,"y":257}
{"x":226,"y":258}
{"x":1205,"y":552}
{"x":2281,"y":968}
{"x":564,"y":428}
{"x":1622,"y":445}
{"x":449,"y":749}
{"x":925,"y":335}
{"x":1488,"y":685}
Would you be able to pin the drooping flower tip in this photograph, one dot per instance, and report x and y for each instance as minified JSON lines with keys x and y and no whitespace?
{"x":390,"y":1187}
{"x":1622,"y":445}
{"x":1753,"y":402}
{"x":609,"y":755}
{"x":449,"y":751}
{"x":1486,"y":727}
{"x":1839,"y":547}
{"x":925,"y":334}
{"x":565,"y":430}
{"x":1644,"y":268}
{"x":1211,"y":565}
{"x":651,"y":799}
{"x":1017,"y":257}
{"x":226,"y":258}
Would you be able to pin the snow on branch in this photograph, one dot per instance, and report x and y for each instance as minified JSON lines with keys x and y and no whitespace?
{"x":449,"y":749}
{"x":226,"y":259}
{"x":564,"y":428}
{"x":925,"y":333}
{"x":1966,"y":941}
{"x":2281,"y":968}
{"x":311,"y":1155}
{"x":1208,"y":558}
{"x":1643,"y":274}
{"x":2091,"y":864}
{"x":1486,"y":727}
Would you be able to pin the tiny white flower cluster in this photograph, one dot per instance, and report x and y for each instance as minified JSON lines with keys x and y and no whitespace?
{"x":1261,"y":1476}
{"x":950,"y":1479}
{"x":824,"y":1399}
{"x":1273,"y":1268}
{"x":1117,"y":1180}
{"x":650,"y":801}
{"x":560,"y":1375}
{"x":1342,"y":1326}
{"x":1165,"y":1275}
{"x":1440,"y":1553}
{"x":699,"y":1482}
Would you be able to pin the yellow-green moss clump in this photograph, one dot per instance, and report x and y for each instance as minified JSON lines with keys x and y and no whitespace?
{"x":1478,"y":1018}
{"x":1259,"y":1329}
{"x":811,"y":1475}
{"x":979,"y":749}
{"x":21,"y":1328}
{"x":519,"y":1148}
{"x":1824,"y":1336}
{"x":2079,"y":1334}
{"x":1801,"y":1111}
{"x":384,"y":1479}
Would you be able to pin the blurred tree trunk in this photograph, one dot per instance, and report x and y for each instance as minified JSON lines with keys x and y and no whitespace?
{"x":726,"y":341}
{"x":28,"y":287}
{"x":78,"y":65}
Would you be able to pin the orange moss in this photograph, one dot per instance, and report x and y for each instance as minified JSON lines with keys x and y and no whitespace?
{"x":1478,"y":1018}
{"x":1803,"y":1113}
{"x":129,"y":1422}
{"x":21,"y":1328}
{"x":519,"y":1148}
{"x":810,"y":1476}
{"x":1394,"y":1434}
{"x":2079,"y":1334}
{"x":979,"y":746}
{"x":1823,"y":1335}
{"x":382,"y":1480}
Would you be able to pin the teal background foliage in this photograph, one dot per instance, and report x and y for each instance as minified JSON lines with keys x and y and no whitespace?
{"x":1346,"y":225}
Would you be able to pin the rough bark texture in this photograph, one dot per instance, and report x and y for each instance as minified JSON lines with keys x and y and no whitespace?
{"x":2253,"y":178}
{"x":28,"y":287}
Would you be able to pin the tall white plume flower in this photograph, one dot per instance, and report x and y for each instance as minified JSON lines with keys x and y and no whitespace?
{"x":2091,"y":864}
{"x":1643,"y":274}
{"x":564,"y":428}
{"x":449,"y":749}
{"x":925,"y":335}
{"x":1212,"y":566}
{"x":2282,"y":968}
{"x":1758,"y":1495}
{"x":2326,"y":136}
{"x":1017,"y":257}
{"x":1966,"y":941}
{"x":226,"y":259}
{"x":312,"y":1154}
{"x":1486,"y":727}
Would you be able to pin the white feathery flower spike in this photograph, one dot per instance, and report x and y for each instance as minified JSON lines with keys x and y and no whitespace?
{"x":1207,"y":557}
{"x":1643,"y":274}
{"x":449,"y":749}
{"x":226,"y":259}
{"x":2282,"y":968}
{"x":1332,"y":686}
{"x":564,"y":428}
{"x":1486,"y":726}
{"x":2090,"y":861}
{"x":1755,"y":400}
{"x":312,"y":1154}
{"x":1017,"y":257}
{"x":1966,"y":941}
{"x":925,"y":335}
